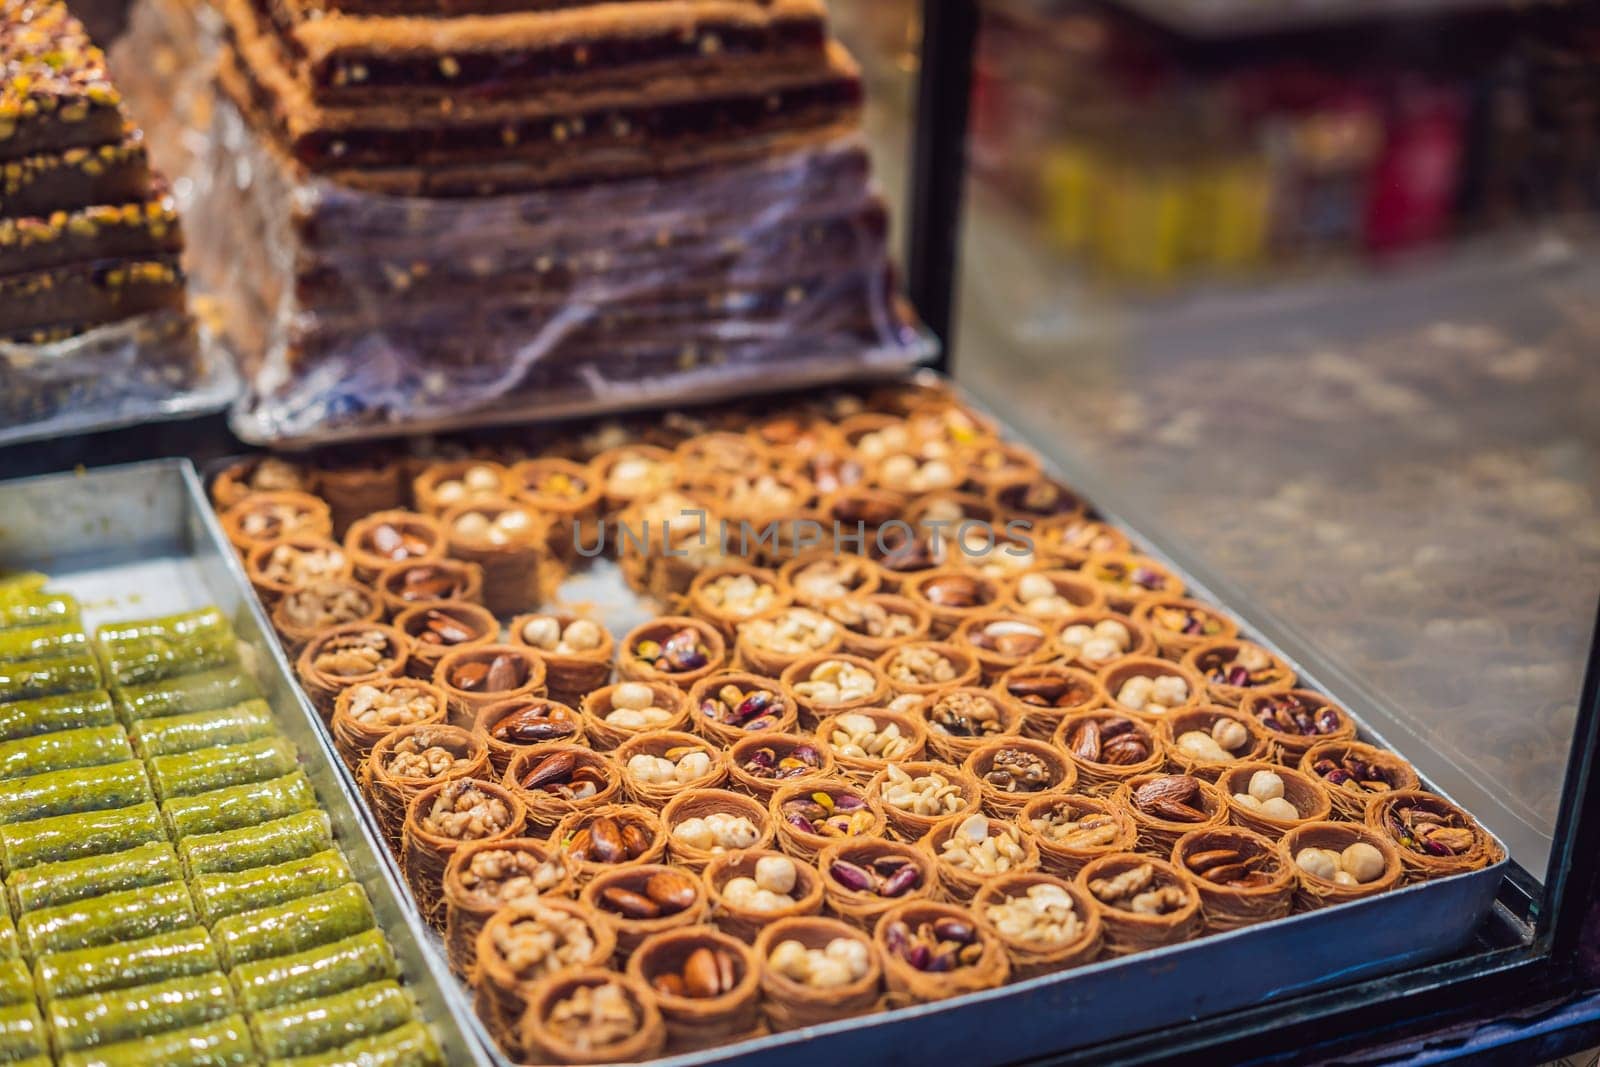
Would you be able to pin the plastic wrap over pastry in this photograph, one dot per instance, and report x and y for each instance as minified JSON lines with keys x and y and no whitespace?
{"x":158,"y":365}
{"x":355,"y":311}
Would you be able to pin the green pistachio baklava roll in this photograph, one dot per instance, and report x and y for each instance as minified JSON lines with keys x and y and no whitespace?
{"x":69,"y":711}
{"x":295,"y":926}
{"x":411,"y":1045}
{"x":22,"y":1032}
{"x":316,"y":972}
{"x":13,"y":583}
{"x":217,"y":896}
{"x":185,"y":694}
{"x":290,"y":838}
{"x":88,"y":747}
{"x":70,"y":672}
{"x":103,"y":968}
{"x":78,"y":789}
{"x":223,"y":1043}
{"x":326,"y":1023}
{"x":125,"y":916}
{"x":16,"y":983}
{"x":183,"y":626}
{"x":203,"y":770}
{"x":9,"y":947}
{"x":239,"y":805}
{"x":147,"y":660}
{"x":42,"y":642}
{"x":35,"y":607}
{"x":67,"y":837}
{"x":250,"y":720}
{"x":48,"y":885}
{"x":97,"y":1019}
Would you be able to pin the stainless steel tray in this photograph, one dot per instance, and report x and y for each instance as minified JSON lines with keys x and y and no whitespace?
{"x":1103,"y":1001}
{"x":141,"y":540}
{"x":1107,"y":1000}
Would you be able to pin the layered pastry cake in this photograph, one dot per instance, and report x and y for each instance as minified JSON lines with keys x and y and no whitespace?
{"x":496,"y":207}
{"x":88,"y":235}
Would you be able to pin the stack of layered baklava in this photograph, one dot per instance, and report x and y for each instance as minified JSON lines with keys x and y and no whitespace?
{"x":453,"y":205}
{"x":87,"y":236}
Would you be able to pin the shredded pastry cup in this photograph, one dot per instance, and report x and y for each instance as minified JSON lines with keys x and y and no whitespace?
{"x":1348,"y":801}
{"x":831,"y":683}
{"x":776,"y":713}
{"x":1043,"y":694}
{"x":1316,"y":891}
{"x":544,"y":1042}
{"x":1070,"y":830}
{"x":1151,"y":689}
{"x":962,"y":719}
{"x":275,"y":567}
{"x":808,"y":818}
{"x":306,"y":611}
{"x":903,"y":925}
{"x":728,"y":594}
{"x":1032,"y":955}
{"x":511,"y":727}
{"x":770,"y":642}
{"x":872,"y":625}
{"x":952,"y":793}
{"x":510,"y":541}
{"x":436,"y":630}
{"x":961,"y":883}
{"x":535,"y":775}
{"x":476,"y":811}
{"x":1008,"y":771}
{"x":864,"y":878}
{"x":817,"y":577}
{"x":267,"y":516}
{"x":475,"y":677}
{"x":644,"y":759}
{"x":366,"y":713}
{"x":512,"y":960}
{"x":1167,"y":806}
{"x":1297,"y":719}
{"x":1128,"y":930}
{"x":1178,"y":623}
{"x":720,"y":967}
{"x":678,"y":650}
{"x":570,"y":674}
{"x":1309,"y":797}
{"x":383,"y":538}
{"x":690,"y":851}
{"x":1091,"y":739}
{"x":408,"y":761}
{"x":606,"y":730}
{"x":484,"y":876}
{"x":632,"y":834}
{"x":444,"y":485}
{"x":1237,"y":737}
{"x":1459,"y":844}
{"x":759,"y":764}
{"x":741,"y":915}
{"x":790,"y":1003}
{"x":347,"y":655}
{"x":860,"y":754}
{"x":407,"y":584}
{"x":1243,"y":666}
{"x":1003,"y":640}
{"x":1222,"y":852}
{"x":642,"y":900}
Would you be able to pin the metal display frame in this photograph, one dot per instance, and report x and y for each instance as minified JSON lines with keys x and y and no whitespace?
{"x":1542,"y":944}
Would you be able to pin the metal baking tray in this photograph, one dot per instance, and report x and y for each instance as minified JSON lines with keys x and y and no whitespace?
{"x":141,"y":540}
{"x":1102,"y":1001}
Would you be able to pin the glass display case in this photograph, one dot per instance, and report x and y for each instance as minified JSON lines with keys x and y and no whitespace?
{"x":1305,"y":297}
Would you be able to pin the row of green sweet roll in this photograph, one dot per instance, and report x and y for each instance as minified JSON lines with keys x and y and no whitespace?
{"x":153,"y":650}
{"x":62,"y":674}
{"x":25,"y":603}
{"x":22,"y":719}
{"x":185,"y":695}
